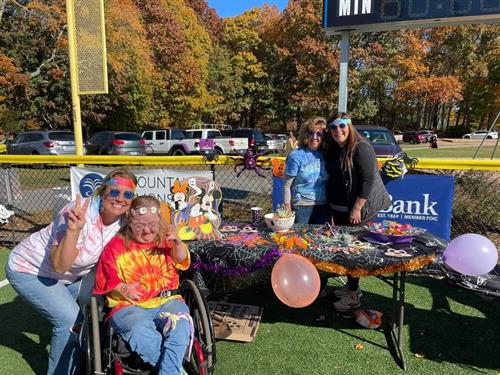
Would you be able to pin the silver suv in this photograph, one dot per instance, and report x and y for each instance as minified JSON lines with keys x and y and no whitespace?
{"x":43,"y":142}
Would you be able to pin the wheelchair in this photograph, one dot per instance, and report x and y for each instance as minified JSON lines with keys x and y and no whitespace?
{"x":106,"y":353}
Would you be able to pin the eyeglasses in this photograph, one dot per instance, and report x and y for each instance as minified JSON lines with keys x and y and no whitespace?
{"x":115,"y":193}
{"x":141,"y":226}
{"x":339,"y":123}
{"x":144,"y":210}
{"x":314,"y":134}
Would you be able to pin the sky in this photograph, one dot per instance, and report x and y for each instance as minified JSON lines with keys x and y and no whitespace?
{"x":229,"y":8}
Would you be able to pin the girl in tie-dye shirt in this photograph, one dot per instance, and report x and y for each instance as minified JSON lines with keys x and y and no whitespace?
{"x":138,"y":274}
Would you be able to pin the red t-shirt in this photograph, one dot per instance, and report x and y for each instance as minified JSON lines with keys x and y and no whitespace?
{"x":147,"y":264}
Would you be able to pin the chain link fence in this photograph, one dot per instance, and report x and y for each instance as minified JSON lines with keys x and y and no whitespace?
{"x":36,"y":194}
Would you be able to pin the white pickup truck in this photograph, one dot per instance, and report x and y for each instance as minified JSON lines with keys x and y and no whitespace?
{"x":185,"y":142}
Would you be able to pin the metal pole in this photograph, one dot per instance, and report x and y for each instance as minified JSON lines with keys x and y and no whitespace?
{"x":484,"y":138}
{"x":344,"y":71}
{"x":75,"y":99}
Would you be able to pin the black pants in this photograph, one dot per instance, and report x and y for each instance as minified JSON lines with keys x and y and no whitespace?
{"x":342,"y":218}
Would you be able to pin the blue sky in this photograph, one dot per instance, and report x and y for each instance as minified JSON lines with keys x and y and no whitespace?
{"x":229,"y":8}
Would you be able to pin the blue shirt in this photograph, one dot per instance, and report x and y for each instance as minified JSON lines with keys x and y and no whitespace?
{"x":310,"y":176}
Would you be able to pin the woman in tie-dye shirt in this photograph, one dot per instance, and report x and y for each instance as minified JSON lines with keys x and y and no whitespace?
{"x":46,"y":268}
{"x":138,"y":274}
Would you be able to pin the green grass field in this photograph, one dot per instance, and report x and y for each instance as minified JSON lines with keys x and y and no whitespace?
{"x":417,"y":151}
{"x":455,"y":331}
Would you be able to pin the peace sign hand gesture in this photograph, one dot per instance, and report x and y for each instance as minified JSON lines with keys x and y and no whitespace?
{"x":76,"y":216}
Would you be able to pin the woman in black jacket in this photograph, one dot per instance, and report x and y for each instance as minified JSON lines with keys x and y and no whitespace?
{"x":355,"y":191}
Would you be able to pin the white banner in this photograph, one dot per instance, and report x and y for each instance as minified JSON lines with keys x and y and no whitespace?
{"x":154,"y":182}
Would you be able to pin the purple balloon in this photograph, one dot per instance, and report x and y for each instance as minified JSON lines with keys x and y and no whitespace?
{"x":471,"y":254}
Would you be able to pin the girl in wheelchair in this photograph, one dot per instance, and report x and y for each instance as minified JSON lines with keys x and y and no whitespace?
{"x":137,"y":272}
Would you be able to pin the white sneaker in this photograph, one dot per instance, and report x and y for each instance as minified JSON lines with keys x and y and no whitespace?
{"x":341,"y":292}
{"x":347,"y":303}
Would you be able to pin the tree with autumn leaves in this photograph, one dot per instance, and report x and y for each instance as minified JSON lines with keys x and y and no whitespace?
{"x":175,"y":63}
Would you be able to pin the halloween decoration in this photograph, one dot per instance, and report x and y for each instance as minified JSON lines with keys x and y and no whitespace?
{"x":195,"y":205}
{"x":248,"y":161}
{"x":398,"y":166}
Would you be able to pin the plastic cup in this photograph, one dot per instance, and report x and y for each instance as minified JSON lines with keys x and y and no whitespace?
{"x":256,"y":215}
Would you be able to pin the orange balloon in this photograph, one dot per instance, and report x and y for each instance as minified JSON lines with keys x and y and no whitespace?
{"x":295,"y":280}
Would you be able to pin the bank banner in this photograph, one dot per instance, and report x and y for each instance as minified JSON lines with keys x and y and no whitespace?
{"x":422,"y":201}
{"x":155,"y":182}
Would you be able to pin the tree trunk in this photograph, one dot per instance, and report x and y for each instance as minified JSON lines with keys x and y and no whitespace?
{"x":458,"y":116}
{"x":448,"y":118}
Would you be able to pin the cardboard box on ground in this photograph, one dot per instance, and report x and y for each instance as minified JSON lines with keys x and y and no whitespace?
{"x":235,"y":322}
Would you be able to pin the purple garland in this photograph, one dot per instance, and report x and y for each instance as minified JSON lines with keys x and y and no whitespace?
{"x":265,"y":260}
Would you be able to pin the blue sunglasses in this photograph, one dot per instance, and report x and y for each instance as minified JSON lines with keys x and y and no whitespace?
{"x":339,"y":123}
{"x":115,"y":193}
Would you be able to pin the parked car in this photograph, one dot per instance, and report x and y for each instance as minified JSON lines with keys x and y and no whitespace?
{"x":179,"y":142}
{"x":256,"y":138}
{"x":116,"y":143}
{"x":398,"y":136}
{"x":43,"y":142}
{"x":276,"y":142}
{"x":481,"y":134}
{"x":381,"y":139}
{"x":222,"y":144}
{"x":160,"y":141}
{"x":429,"y":134}
{"x":414,"y":137}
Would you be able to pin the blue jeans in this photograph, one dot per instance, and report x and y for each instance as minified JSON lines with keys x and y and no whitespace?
{"x":57,"y":303}
{"x":318,"y":214}
{"x":143,"y":330}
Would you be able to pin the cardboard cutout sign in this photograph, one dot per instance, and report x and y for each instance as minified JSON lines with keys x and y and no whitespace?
{"x":195,"y":204}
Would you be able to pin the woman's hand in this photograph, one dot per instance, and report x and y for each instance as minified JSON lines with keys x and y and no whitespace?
{"x":131,"y":292}
{"x":76,"y":216}
{"x":63,"y":255}
{"x":355,"y":216}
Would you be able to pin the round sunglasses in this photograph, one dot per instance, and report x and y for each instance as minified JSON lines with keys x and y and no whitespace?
{"x":339,"y":123}
{"x":317,"y":134}
{"x":115,"y":193}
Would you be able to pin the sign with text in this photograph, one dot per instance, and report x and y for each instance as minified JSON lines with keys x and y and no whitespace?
{"x":380,"y":15}
{"x":155,"y":182}
{"x":422,"y":201}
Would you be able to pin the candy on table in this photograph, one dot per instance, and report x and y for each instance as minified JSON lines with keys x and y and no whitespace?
{"x":391,"y":228}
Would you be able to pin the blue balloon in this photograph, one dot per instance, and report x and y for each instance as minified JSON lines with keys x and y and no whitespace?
{"x":471,"y":254}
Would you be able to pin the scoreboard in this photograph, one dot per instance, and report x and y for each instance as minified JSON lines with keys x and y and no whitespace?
{"x":381,"y":15}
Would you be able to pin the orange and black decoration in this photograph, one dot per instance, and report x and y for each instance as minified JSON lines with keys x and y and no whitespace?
{"x":278,"y":167}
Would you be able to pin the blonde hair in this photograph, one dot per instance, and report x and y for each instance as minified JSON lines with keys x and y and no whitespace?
{"x":148,"y":202}
{"x":309,"y":125}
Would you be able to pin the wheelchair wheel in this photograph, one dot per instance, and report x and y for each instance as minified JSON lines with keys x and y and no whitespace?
{"x":92,"y":338}
{"x":202,"y":359}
